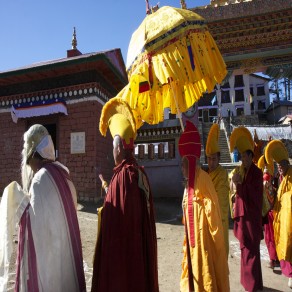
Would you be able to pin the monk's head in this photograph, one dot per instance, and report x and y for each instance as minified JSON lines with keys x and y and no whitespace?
{"x":38,"y":148}
{"x":213,"y":161}
{"x":120,"y":152}
{"x":247,"y":158}
{"x":283,"y":167}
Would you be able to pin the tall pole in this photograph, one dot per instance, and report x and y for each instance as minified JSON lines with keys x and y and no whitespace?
{"x":274,"y":112}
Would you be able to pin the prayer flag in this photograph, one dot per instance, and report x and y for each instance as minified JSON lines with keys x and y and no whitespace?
{"x":214,"y":99}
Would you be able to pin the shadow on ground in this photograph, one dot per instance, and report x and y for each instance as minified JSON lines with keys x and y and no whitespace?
{"x":271,"y":290}
{"x":167,"y":210}
{"x":89,"y":207}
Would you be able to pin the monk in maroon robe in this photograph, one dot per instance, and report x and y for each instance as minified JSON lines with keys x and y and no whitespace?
{"x":248,"y":221}
{"x":125,"y":257}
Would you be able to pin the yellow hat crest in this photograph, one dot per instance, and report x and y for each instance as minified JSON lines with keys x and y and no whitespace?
{"x":276,"y":150}
{"x":262,"y":163}
{"x":241,"y":139}
{"x":118,"y":117}
{"x":212,"y":145}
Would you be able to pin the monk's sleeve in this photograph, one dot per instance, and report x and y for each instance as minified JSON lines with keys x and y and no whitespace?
{"x":251,"y":191}
{"x":133,"y":205}
{"x":12,"y":206}
{"x":223,"y":193}
{"x":212,"y":211}
{"x":283,"y":227}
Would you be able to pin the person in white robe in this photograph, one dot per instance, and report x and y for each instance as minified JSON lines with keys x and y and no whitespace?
{"x":49,"y":251}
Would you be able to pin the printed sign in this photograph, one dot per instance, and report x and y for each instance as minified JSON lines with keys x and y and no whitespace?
{"x":77,"y":142}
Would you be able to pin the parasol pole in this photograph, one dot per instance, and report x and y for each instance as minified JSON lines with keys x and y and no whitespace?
{"x":177,"y":108}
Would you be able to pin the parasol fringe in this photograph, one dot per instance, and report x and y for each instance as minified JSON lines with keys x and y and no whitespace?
{"x":177,"y":108}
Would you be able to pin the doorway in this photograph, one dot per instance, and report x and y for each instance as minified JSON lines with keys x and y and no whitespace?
{"x":51,"y":124}
{"x":206,"y":115}
{"x":239,"y":111}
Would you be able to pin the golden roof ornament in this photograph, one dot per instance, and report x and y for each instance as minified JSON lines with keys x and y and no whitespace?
{"x":74,"y":40}
{"x":152,"y":9}
{"x":183,"y":4}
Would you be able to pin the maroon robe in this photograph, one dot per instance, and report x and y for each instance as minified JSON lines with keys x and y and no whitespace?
{"x":248,"y":227}
{"x":125,"y":258}
{"x":269,"y":236}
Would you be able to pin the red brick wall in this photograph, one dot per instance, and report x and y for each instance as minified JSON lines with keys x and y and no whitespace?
{"x":11,"y":143}
{"x":84,"y":168}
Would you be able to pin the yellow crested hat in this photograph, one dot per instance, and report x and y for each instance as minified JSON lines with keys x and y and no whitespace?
{"x":212,"y":145}
{"x":262,"y":163}
{"x":241,"y":139}
{"x":276,"y":150}
{"x":118,"y":117}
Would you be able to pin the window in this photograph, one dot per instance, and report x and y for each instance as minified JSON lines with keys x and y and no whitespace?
{"x":261,"y":105}
{"x":260,"y":91}
{"x":238,"y":82}
{"x":200,"y":115}
{"x":212,"y":114}
{"x":225,"y":96}
{"x":251,"y":90}
{"x":155,"y":150}
{"x":172,"y":116}
{"x":240,"y":111}
{"x":226,"y":85}
{"x":239,"y":95}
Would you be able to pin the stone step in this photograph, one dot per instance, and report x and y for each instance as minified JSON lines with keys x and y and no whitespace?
{"x":223,"y":143}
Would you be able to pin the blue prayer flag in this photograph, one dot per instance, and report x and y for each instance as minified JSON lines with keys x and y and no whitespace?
{"x":214,"y":99}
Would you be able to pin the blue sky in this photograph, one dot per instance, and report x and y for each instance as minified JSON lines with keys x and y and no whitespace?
{"x":33,"y":31}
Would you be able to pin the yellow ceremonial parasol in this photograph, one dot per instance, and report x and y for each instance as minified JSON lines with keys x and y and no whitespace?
{"x":173,"y":53}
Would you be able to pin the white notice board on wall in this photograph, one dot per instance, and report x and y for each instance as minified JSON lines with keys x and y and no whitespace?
{"x":77,"y":142}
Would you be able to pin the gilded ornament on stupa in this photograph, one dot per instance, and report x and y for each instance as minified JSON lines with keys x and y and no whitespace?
{"x":74,"y":40}
{"x":183,"y":4}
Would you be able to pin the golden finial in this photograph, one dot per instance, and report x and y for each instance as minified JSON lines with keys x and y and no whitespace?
{"x":74,"y":40}
{"x":148,"y":10}
{"x":183,"y":4}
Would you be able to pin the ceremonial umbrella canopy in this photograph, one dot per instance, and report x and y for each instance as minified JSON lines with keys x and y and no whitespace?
{"x":172,"y":60}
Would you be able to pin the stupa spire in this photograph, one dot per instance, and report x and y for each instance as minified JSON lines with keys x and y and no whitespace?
{"x":74,"y":40}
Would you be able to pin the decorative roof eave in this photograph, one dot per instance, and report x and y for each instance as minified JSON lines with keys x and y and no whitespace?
{"x":61,"y":65}
{"x":40,"y":66}
{"x":236,"y":10}
{"x":260,"y":77}
{"x":168,"y":129}
{"x":240,"y":29}
{"x":158,"y":134}
{"x":38,"y":108}
{"x":69,"y":94}
{"x":252,"y":63}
